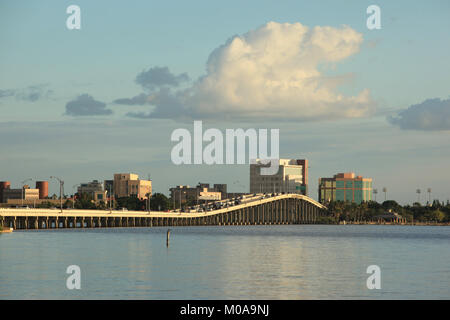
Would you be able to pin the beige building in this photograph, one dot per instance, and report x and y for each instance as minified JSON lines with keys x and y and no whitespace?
{"x":202,"y":192}
{"x":129,"y":184}
{"x":209,"y":195}
{"x":94,"y":189}
{"x":26,"y":194}
{"x":292,"y":177}
{"x":31,"y":194}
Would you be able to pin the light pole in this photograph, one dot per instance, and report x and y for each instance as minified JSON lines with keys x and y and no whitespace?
{"x":61,"y":190}
{"x":73,"y":201}
{"x":429,"y":195}
{"x":173,"y":199}
{"x":375,"y":192}
{"x":149,"y":195}
{"x":384,"y":190}
{"x":148,"y":201}
{"x":184,"y":192}
{"x":23,"y":184}
{"x":110,"y":199}
{"x":418,"y":191}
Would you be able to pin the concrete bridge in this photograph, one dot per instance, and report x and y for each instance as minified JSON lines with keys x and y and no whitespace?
{"x":280,"y":209}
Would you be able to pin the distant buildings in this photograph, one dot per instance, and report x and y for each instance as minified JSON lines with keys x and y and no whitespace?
{"x":390,"y":216}
{"x":93,"y":189}
{"x":292,"y":177}
{"x":43,"y":189}
{"x":129,"y":184}
{"x":345,"y":187}
{"x":8,"y":195}
{"x":108,"y":185}
{"x":3,"y":186}
{"x":26,"y":194}
{"x":202,"y":192}
{"x":222,"y":188}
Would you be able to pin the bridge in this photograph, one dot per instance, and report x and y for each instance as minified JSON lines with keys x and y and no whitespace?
{"x":256,"y":210}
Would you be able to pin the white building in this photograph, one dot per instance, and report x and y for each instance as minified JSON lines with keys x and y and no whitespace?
{"x":292,"y":177}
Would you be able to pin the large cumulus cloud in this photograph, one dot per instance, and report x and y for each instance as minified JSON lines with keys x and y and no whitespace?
{"x":275,"y":71}
{"x":430,"y":115}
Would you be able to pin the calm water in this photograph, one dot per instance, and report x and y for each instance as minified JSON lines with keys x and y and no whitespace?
{"x":257,"y":262}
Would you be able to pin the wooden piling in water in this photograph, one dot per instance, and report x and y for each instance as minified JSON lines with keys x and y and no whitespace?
{"x":167,"y":238}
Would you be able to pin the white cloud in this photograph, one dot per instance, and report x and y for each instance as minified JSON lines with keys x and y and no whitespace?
{"x":273,"y":72}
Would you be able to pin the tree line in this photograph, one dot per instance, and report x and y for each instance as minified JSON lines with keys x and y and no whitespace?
{"x":368,"y":211}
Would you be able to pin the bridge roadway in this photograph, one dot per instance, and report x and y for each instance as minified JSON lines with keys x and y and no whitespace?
{"x":281,"y":209}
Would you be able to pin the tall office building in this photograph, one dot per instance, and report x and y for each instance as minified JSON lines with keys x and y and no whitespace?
{"x":292,"y":177}
{"x":129,"y":184}
{"x":345,"y":187}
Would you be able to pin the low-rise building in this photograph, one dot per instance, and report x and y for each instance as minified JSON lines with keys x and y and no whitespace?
{"x":129,"y":185}
{"x":93,"y":189}
{"x":206,"y":195}
{"x":26,"y":193}
{"x":202,"y":192}
{"x":222,"y":188}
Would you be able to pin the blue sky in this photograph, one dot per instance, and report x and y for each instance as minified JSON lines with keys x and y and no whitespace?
{"x":44,"y":66}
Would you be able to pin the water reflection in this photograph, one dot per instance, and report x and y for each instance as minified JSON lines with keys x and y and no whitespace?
{"x":258,"y":262}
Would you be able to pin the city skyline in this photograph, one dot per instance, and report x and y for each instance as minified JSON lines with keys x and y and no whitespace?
{"x":82,"y":104}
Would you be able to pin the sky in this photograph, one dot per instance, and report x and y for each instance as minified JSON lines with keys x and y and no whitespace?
{"x":85,"y":104}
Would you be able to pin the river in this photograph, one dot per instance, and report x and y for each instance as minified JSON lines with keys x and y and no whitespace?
{"x":232,"y":262}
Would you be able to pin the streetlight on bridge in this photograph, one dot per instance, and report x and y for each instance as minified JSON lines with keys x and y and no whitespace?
{"x":61,"y":190}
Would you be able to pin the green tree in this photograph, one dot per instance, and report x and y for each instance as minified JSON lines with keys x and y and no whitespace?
{"x":68,"y":204}
{"x":85,"y":201}
{"x":435,"y":215}
{"x":45,"y":205}
{"x":391,"y":204}
{"x":132,"y":203}
{"x":159,"y":202}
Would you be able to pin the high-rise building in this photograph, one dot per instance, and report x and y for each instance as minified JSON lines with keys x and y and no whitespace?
{"x":345,"y":187}
{"x":129,"y":184}
{"x":292,"y":177}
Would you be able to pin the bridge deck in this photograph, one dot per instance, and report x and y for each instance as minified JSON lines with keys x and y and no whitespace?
{"x":21,"y":212}
{"x":281,"y":209}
